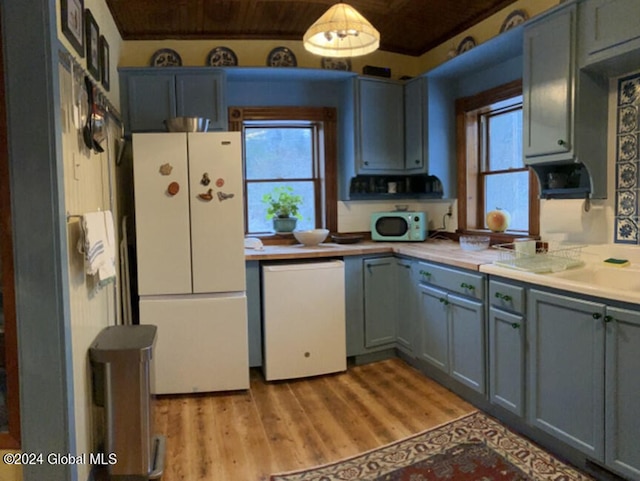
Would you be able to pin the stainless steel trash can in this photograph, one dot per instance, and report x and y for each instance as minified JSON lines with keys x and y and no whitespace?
{"x":122,"y":357}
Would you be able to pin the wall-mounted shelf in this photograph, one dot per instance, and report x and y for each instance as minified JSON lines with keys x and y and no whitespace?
{"x":377,"y":187}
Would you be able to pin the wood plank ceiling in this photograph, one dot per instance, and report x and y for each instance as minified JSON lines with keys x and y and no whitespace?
{"x":410,"y":27}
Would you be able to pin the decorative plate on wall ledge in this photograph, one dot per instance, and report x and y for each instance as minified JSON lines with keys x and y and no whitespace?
{"x":281,"y":57}
{"x":465,"y":45}
{"x":222,"y":57}
{"x":514,"y":19}
{"x":166,"y":57}
{"x":331,"y":63}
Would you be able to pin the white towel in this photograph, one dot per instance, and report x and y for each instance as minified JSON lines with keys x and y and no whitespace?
{"x":99,"y":245}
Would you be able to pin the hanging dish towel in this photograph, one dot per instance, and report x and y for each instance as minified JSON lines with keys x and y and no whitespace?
{"x":99,"y":245}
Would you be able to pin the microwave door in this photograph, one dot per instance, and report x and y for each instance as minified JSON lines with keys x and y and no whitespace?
{"x":392,"y":226}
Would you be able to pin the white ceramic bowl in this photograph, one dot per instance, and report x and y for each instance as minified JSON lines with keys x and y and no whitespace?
{"x":311,"y":237}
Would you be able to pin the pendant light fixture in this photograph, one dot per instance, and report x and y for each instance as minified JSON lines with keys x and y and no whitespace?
{"x":341,"y":32}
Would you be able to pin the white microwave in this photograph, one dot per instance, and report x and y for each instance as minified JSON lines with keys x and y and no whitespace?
{"x":401,"y":226}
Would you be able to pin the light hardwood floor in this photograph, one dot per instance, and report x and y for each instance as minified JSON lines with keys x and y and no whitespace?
{"x":283,"y":426}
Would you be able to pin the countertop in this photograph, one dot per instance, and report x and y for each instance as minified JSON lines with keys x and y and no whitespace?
{"x":581,"y":280}
{"x":446,"y":252}
{"x":584,"y":283}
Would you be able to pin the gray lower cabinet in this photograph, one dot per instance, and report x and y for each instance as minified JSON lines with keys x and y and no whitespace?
{"x":506,"y":360}
{"x":467,"y":342}
{"x":583,"y":377}
{"x":622,"y":391}
{"x":507,"y":346}
{"x":254,"y":312}
{"x":406,"y":298}
{"x":453,"y":325}
{"x":380,"y":306}
{"x":370,"y":304}
{"x":566,"y":369}
{"x":435,"y":327}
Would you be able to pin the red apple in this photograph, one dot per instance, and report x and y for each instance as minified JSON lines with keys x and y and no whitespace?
{"x":498,"y":220}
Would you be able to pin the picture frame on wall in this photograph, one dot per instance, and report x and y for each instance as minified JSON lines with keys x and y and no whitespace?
{"x":72,"y":20}
{"x":104,"y":62}
{"x":92,"y":40}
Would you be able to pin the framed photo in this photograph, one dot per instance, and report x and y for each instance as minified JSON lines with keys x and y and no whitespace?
{"x":92,"y":39}
{"x":104,"y":62}
{"x":72,"y":19}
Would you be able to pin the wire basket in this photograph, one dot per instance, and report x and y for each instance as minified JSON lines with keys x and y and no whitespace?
{"x":545,"y":257}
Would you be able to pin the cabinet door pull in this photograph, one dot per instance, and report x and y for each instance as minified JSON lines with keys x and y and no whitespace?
{"x":608,"y":318}
{"x":504,"y":297}
{"x":417,"y":161}
{"x":444,"y":301}
{"x":366,"y":162}
{"x":515,"y":325}
{"x":464,"y":285}
{"x":425,"y":274}
{"x":596,"y":315}
{"x":561,"y":142}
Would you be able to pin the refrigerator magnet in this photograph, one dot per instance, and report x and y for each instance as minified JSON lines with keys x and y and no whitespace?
{"x":173,"y":188}
{"x":165,"y":169}
{"x":220,"y":182}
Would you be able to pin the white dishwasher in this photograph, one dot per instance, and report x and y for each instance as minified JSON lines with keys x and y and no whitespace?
{"x":303,"y":319}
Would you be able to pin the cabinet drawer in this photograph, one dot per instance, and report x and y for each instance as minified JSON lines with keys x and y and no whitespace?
{"x":506,"y":296}
{"x":465,"y":283}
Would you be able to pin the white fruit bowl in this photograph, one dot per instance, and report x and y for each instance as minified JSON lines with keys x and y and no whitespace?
{"x":311,"y":237}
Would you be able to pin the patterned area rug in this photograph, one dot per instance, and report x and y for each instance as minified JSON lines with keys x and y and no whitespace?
{"x":472,"y":448}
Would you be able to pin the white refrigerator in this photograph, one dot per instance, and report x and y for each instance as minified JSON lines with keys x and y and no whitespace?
{"x":190,"y":258}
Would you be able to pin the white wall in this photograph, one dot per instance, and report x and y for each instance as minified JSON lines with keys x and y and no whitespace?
{"x":354,"y":216}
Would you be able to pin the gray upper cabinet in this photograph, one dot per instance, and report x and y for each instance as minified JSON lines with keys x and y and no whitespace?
{"x":148,"y":98}
{"x":415,"y":125}
{"x":548,"y":79}
{"x":609,"y":35}
{"x":564,"y":109}
{"x":151,"y":95}
{"x":622,"y":391}
{"x":202,"y":95}
{"x":566,"y":370}
{"x":379,"y":126}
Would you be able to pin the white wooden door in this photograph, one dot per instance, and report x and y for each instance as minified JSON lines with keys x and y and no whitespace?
{"x":217,"y":226}
{"x":162,"y":213}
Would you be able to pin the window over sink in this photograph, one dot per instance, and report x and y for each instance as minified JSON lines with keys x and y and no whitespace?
{"x":491,"y":171}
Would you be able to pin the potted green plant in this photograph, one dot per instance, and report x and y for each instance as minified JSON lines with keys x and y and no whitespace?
{"x":282,"y":207}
